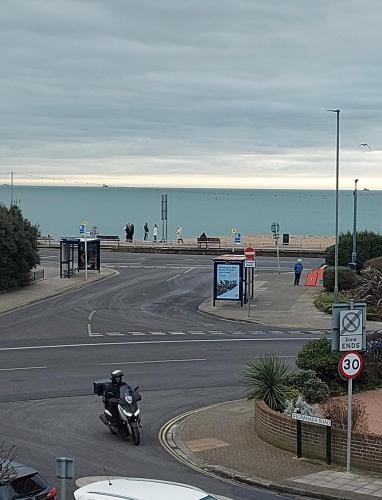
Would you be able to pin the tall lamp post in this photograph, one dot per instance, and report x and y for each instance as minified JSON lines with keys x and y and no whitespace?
{"x":354,"y":250}
{"x":337,"y":111}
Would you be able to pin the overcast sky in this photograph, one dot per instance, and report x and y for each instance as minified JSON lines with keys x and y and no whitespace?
{"x":212,"y":93}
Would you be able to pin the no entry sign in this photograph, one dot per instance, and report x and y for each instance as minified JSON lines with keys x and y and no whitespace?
{"x":350,"y":364}
{"x":250,"y":253}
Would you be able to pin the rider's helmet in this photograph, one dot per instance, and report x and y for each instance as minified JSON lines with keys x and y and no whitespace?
{"x":116,"y":374}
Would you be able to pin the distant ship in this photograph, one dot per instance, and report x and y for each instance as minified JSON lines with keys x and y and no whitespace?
{"x":105,"y":185}
{"x":365,"y":189}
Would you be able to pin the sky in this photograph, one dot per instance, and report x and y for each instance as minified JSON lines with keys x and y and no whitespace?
{"x":191,"y":93}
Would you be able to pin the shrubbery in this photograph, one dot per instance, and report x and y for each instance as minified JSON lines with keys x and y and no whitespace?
{"x":337,"y":411}
{"x":369,"y":246}
{"x":18,"y":248}
{"x":374,"y":263}
{"x":347,"y":279}
{"x":309,"y":385}
{"x":317,"y":355}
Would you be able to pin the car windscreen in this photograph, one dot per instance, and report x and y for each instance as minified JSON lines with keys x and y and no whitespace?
{"x":27,"y":486}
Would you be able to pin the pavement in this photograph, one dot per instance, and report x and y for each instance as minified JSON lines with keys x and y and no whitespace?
{"x":277,"y":303}
{"x":51,"y":286}
{"x":221,"y":439}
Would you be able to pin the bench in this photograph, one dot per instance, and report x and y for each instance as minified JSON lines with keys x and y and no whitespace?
{"x":109,"y":238}
{"x":208,"y":241}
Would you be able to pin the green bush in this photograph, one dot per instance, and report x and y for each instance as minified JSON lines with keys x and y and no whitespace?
{"x":347,"y":279}
{"x":374,"y":263}
{"x":265,"y":378}
{"x":317,"y":355}
{"x":311,"y":387}
{"x":18,"y":248}
{"x":369,"y":246}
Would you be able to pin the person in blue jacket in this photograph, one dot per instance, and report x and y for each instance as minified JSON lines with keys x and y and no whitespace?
{"x":298,"y":268}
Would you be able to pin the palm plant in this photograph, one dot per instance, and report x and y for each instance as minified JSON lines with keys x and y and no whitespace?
{"x":266,"y":379}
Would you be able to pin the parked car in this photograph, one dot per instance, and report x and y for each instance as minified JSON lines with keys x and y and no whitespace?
{"x":26,"y":484}
{"x":139,"y":489}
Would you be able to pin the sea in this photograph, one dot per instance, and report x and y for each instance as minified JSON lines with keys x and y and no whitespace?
{"x":59,"y":211}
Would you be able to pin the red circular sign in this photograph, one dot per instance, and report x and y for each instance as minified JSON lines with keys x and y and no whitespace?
{"x":350,"y":364}
{"x":250,"y":253}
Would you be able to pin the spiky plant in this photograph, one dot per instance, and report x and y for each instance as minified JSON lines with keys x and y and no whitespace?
{"x":266,"y":379}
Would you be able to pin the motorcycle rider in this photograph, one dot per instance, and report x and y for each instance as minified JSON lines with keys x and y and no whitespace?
{"x":112,"y":394}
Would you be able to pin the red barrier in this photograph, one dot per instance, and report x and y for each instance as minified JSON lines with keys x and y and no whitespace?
{"x":312,"y":277}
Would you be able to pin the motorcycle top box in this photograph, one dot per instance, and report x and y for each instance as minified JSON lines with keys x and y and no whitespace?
{"x":99,"y":386}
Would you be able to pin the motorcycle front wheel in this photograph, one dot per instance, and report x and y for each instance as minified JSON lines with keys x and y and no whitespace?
{"x":136,"y":434}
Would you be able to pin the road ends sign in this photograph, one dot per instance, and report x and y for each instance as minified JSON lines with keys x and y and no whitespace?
{"x":350,"y":365}
{"x":250,"y":253}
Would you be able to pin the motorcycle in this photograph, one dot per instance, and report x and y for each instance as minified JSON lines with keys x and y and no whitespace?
{"x":129,"y":418}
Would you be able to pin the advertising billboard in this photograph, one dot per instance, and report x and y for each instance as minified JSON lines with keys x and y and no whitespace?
{"x":228,"y":282}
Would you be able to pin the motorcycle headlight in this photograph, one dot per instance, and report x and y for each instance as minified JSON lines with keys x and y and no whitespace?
{"x":136,"y":413}
{"x":128,"y":414}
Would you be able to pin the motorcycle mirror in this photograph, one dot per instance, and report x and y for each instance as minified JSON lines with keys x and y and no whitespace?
{"x":136,"y":388}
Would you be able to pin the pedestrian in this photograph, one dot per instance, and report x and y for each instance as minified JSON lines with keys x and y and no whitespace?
{"x":131,"y":232}
{"x":146,"y":230}
{"x":179,"y":234}
{"x":298,"y":267}
{"x":155,"y":233}
{"x":127,"y":231}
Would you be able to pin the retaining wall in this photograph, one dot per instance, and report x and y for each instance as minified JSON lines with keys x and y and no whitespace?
{"x":279,"y":430}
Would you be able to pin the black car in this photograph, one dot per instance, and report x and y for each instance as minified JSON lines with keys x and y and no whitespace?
{"x":26,"y":484}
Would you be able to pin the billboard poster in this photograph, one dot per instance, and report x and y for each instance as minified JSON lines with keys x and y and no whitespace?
{"x":228,"y":282}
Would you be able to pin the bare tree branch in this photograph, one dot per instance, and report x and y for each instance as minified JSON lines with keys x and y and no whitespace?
{"x":7,"y":455}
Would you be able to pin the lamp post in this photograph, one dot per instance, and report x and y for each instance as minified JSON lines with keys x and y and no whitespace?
{"x":337,"y":111}
{"x":354,"y":250}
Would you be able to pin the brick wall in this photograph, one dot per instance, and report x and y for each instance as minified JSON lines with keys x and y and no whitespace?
{"x":279,"y":430}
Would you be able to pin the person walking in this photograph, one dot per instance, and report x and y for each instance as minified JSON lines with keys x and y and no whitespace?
{"x":155,"y":233}
{"x":179,"y":234}
{"x":146,"y":230}
{"x":298,"y":268}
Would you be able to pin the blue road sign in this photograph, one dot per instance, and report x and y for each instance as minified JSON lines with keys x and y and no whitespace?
{"x":237,"y":238}
{"x":82,"y":229}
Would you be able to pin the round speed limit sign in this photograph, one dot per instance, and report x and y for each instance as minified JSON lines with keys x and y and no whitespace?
{"x":350,"y":364}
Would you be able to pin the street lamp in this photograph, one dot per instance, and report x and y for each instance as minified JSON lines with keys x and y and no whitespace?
{"x":337,"y":111}
{"x":354,"y":251}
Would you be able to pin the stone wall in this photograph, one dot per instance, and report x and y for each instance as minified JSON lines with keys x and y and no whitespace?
{"x":280,"y":430}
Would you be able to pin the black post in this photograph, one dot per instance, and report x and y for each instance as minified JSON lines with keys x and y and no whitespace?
{"x":328,"y":448}
{"x":299,"y":438}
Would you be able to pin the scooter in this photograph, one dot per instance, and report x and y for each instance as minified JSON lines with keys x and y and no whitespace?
{"x":129,"y":418}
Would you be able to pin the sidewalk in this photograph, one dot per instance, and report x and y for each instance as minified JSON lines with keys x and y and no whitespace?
{"x":51,"y":286}
{"x":278,"y":304}
{"x":221,"y":439}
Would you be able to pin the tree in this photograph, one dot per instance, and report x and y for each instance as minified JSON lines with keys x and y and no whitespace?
{"x":18,"y":248}
{"x":7,"y":455}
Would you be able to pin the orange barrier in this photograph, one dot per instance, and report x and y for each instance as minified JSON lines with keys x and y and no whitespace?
{"x":312,"y":278}
{"x":320,"y":277}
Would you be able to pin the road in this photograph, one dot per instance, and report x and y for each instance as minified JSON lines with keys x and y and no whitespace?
{"x":144,"y":321}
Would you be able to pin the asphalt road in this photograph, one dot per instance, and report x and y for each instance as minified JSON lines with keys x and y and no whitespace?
{"x":144,"y":321}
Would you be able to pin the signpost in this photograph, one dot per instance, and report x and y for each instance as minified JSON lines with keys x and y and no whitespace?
{"x":311,"y":419}
{"x":350,"y":366}
{"x":250,"y":262}
{"x":64,"y":471}
{"x":275,"y":228}
{"x":84,"y":233}
{"x":234,"y":231}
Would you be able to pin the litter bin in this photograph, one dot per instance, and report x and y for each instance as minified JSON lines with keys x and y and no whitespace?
{"x":286,"y":239}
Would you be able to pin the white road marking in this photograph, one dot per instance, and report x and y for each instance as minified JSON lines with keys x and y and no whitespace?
{"x":195,"y":332}
{"x":134,"y":332}
{"x":157,"y":333}
{"x":153,"y":361}
{"x":275,"y":332}
{"x":258,"y":332}
{"x":148,"y":342}
{"x":91,"y":315}
{"x":188,"y":270}
{"x":25,"y":368}
{"x":176,"y":276}
{"x":114,"y":333}
{"x":138,"y":333}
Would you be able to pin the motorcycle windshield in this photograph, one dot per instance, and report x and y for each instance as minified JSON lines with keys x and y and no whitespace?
{"x":126,"y":394}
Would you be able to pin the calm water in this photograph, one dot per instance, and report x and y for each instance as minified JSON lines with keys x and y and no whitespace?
{"x":59,"y":210}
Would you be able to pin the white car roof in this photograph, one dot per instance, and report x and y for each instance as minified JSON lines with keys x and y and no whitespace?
{"x":138,"y":489}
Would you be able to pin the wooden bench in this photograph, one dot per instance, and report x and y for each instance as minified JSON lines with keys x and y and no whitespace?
{"x":208,"y":242}
{"x":109,"y":239}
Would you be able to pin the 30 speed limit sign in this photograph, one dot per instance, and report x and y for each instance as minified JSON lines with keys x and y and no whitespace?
{"x":350,"y":364}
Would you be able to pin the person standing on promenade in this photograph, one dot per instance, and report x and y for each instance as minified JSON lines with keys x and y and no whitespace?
{"x":155,"y":233}
{"x":298,"y":268}
{"x":131,"y":232}
{"x":146,"y":230}
{"x":179,"y":234}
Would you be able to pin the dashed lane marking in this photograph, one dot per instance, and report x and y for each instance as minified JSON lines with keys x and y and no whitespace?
{"x":211,"y":332}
